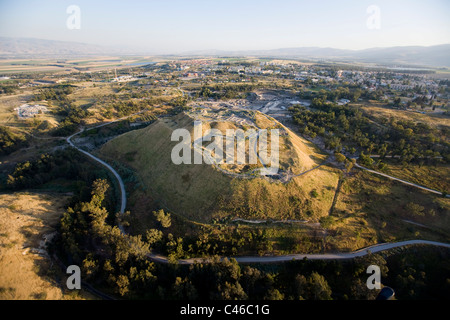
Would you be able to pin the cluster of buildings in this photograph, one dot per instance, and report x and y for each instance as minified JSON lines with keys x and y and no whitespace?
{"x":125,"y":78}
{"x":370,"y":80}
{"x":373,"y":80}
{"x":26,"y":111}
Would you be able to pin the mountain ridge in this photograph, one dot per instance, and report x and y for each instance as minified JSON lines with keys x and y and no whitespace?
{"x":432,"y":56}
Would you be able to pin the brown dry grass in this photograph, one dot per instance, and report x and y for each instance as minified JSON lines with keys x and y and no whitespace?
{"x":380,"y":110}
{"x":24,"y":274}
{"x":371,"y":209}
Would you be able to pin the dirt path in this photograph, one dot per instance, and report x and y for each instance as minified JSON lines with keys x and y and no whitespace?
{"x":400,"y":180}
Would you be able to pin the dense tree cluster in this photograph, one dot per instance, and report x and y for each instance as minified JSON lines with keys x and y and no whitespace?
{"x":352,"y":94}
{"x":127,"y":108}
{"x":347,"y":127}
{"x":420,"y":273}
{"x":225,"y":92}
{"x":110,"y":259}
{"x":68,"y":164}
{"x":56,"y":93}
{"x":72,"y":117}
{"x":8,"y":88}
{"x":122,"y":261}
{"x":10,"y":142}
{"x":222,"y":240}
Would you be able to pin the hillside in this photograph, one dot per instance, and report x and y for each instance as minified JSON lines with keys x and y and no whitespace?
{"x":26,"y":221}
{"x":41,"y":47}
{"x":433,"y":56}
{"x":201,"y":192}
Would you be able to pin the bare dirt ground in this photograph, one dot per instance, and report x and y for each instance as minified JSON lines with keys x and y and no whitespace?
{"x":26,"y":272}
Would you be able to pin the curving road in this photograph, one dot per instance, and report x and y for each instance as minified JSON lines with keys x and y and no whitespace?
{"x":123,"y":200}
{"x":123,"y":195}
{"x":324,"y":256}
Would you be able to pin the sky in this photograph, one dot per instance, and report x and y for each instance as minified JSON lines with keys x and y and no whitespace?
{"x":176,"y":26}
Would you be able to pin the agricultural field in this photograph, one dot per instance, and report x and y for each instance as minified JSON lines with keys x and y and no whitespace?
{"x":68,"y":65}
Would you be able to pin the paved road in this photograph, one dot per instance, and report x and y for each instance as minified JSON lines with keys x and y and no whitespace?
{"x":325,"y":256}
{"x":123,"y":200}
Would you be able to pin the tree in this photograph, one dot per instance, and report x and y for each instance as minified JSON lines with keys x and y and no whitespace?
{"x":334,"y":143}
{"x":359,"y":291}
{"x":300,"y":287}
{"x":184,"y":289}
{"x":415,"y":209}
{"x":122,"y":284}
{"x":174,"y":248}
{"x":99,"y":188}
{"x":344,"y":122}
{"x":90,"y":266}
{"x":274,"y":294}
{"x":153,"y":236}
{"x":366,"y":160}
{"x":356,"y":95}
{"x":256,"y":283}
{"x":339,"y":157}
{"x":163,"y":218}
{"x":230,"y":291}
{"x":349,"y":165}
{"x":9,"y":141}
{"x":318,"y":287}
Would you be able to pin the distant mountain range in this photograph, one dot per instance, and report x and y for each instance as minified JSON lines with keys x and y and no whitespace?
{"x":31,"y":47}
{"x":433,"y":56}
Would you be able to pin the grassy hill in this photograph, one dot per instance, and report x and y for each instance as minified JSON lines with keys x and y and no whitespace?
{"x":201,"y":192}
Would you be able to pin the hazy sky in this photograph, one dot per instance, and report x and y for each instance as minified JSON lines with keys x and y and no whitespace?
{"x":173,"y":26}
